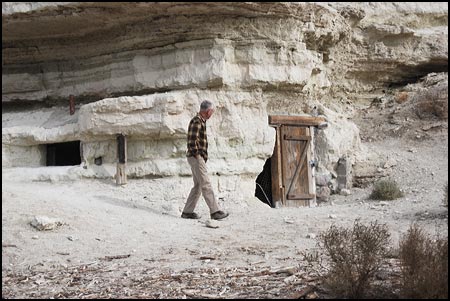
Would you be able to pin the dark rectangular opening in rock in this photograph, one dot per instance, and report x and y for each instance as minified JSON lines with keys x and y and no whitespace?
{"x":63,"y":154}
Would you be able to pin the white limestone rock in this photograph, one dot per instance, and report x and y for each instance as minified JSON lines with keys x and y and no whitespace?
{"x":45,"y":223}
{"x":211,"y":224}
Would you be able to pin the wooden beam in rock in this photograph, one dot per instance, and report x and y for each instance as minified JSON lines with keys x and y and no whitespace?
{"x":72,"y":104}
{"x":277,"y":120}
{"x":121,"y":176}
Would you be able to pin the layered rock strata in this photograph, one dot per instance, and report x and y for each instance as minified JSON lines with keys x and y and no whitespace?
{"x":142,"y":69}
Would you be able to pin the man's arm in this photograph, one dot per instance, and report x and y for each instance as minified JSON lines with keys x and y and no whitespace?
{"x":193,"y":136}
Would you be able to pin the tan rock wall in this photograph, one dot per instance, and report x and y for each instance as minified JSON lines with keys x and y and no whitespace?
{"x":142,"y":69}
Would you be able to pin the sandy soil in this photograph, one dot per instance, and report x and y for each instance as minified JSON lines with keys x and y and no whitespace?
{"x":166,"y":253}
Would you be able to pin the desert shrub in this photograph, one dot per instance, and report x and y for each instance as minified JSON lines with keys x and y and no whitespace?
{"x":355,"y":256}
{"x":402,"y":97}
{"x":385,"y":190}
{"x":424,"y":265}
{"x":446,"y":195}
{"x":432,"y":102}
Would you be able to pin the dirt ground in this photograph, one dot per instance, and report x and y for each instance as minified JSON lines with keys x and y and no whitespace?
{"x":122,"y":242}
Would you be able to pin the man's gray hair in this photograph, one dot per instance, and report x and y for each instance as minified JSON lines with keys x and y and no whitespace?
{"x":206,"y":105}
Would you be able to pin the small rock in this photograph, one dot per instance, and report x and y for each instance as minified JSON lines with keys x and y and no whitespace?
{"x":312,"y":295}
{"x":288,"y":220}
{"x":289,"y":279}
{"x":211,"y":224}
{"x":287,"y":270}
{"x":71,"y":238}
{"x":45,"y":223}
{"x":35,"y":237}
{"x":345,"y":192}
{"x":311,"y":235}
{"x":332,"y":216}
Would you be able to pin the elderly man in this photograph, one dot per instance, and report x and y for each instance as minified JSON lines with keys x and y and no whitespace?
{"x":197,"y":155}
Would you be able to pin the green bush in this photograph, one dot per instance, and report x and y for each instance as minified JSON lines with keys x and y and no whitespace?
{"x":424,"y":265}
{"x":385,"y":190}
{"x":355,"y":256}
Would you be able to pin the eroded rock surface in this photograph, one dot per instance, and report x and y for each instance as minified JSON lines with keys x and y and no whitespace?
{"x":142,"y":69}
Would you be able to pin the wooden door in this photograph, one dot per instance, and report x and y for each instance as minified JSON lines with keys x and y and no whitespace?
{"x":296,"y":170}
{"x":293,"y":179}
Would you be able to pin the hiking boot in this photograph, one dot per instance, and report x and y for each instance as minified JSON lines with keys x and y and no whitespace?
{"x":219,"y":215}
{"x":192,"y":215}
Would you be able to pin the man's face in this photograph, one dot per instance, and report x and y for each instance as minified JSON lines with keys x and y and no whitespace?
{"x":209,"y":113}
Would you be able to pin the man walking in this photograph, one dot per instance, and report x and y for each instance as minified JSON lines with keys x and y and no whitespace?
{"x":197,"y":155}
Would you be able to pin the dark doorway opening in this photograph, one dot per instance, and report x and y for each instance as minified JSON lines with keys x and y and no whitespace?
{"x":263,"y":189}
{"x":63,"y":154}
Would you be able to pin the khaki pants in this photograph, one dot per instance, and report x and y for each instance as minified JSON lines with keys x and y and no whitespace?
{"x":202,"y":185}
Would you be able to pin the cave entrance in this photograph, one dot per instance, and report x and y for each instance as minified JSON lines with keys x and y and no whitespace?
{"x":63,"y":154}
{"x":290,"y":170}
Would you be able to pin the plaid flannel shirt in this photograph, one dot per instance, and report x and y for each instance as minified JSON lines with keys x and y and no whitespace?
{"x":197,"y":141}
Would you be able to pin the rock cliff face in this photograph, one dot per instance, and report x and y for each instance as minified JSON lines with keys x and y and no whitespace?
{"x":142,"y":69}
